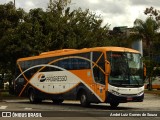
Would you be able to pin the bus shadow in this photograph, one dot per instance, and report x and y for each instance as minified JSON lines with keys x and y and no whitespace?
{"x":79,"y":107}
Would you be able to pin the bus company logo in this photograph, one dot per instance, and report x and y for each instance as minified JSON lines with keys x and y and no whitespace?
{"x":41,"y":77}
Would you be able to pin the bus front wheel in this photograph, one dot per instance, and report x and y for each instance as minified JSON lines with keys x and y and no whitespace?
{"x":32,"y":97}
{"x":83,"y":100}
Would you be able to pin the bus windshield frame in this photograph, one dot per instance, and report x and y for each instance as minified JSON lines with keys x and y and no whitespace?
{"x":126,"y":69}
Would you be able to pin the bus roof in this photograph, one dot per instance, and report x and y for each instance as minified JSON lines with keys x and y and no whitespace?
{"x":74,"y":51}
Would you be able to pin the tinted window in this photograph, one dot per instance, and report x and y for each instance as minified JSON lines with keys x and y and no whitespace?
{"x":99,"y":68}
{"x":75,"y":62}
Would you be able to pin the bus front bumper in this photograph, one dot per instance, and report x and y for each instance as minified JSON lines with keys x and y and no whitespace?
{"x":123,"y":98}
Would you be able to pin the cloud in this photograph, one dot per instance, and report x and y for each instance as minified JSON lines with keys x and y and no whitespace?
{"x":145,"y":2}
{"x":110,"y":10}
{"x":27,"y":5}
{"x":31,"y":4}
{"x":114,"y":12}
{"x":118,"y":12}
{"x":94,"y":1}
{"x":107,"y":6}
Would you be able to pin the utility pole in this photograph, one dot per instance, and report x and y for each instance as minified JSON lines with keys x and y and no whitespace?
{"x":50,"y":2}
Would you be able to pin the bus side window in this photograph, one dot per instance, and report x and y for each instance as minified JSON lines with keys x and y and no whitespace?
{"x":98,"y":70}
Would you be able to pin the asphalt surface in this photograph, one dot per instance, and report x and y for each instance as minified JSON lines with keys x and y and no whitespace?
{"x":149,"y":108}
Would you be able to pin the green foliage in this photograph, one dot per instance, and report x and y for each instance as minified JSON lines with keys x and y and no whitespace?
{"x":148,"y":31}
{"x":8,"y":26}
{"x":120,"y":36}
{"x":150,"y":67}
{"x":25,"y":34}
{"x":154,"y":13}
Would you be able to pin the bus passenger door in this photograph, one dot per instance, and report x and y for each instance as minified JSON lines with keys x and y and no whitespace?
{"x":99,"y":87}
{"x":98,"y":68}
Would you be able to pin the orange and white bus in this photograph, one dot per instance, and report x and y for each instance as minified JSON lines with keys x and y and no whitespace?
{"x":92,"y":75}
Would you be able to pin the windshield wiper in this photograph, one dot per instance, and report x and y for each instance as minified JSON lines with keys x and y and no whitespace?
{"x":130,"y":85}
{"x":134,"y":78}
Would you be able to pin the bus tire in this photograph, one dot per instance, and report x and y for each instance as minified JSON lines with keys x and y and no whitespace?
{"x":33,"y":98}
{"x":84,"y":100}
{"x":57,"y":101}
{"x":114,"y":104}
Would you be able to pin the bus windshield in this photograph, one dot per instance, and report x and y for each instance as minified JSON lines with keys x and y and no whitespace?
{"x":126,"y":69}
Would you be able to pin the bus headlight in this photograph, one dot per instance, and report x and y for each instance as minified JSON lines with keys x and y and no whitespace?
{"x":140,"y":93}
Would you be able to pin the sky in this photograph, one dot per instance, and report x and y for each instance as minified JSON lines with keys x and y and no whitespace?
{"x":113,"y":12}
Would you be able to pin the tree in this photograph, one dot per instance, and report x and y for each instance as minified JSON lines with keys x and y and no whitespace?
{"x":72,"y":29}
{"x":85,"y":30}
{"x":153,"y":13}
{"x":119,"y":36}
{"x":147,"y":31}
{"x":9,"y":20}
{"x":25,"y":34}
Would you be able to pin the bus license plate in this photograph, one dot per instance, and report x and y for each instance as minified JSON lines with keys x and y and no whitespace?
{"x":129,"y":99}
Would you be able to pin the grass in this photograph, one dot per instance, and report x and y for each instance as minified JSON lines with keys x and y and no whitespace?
{"x":156,"y":92}
{"x":6,"y":95}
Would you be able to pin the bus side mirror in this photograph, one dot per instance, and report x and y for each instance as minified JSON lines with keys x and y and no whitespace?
{"x":108,"y":67}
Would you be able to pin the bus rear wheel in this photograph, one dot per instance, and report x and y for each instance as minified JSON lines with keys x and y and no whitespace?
{"x":114,"y":104}
{"x":84,"y":100}
{"x":33,"y":98}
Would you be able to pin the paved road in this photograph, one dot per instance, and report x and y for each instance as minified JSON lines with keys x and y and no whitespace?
{"x":73,"y":109}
